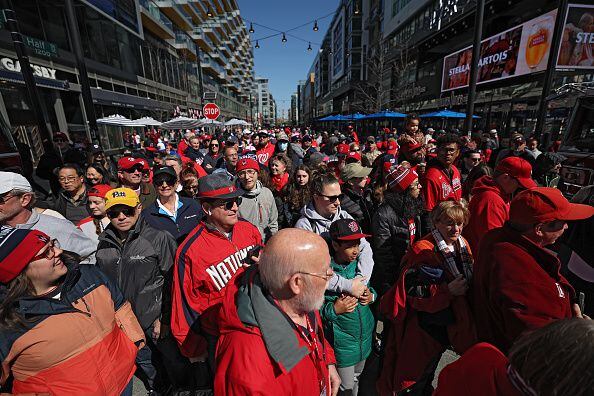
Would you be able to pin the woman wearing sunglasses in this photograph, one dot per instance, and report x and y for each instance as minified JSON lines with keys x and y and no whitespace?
{"x":171,"y":212}
{"x":64,"y":328}
{"x":213,"y":156}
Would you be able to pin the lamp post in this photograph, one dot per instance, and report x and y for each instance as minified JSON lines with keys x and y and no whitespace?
{"x":476,"y":53}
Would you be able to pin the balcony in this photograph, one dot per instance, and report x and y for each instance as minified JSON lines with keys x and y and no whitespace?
{"x":213,"y":68}
{"x":203,"y":41}
{"x":211,"y":31}
{"x":154,"y":20}
{"x":184,"y":45}
{"x":176,"y":13}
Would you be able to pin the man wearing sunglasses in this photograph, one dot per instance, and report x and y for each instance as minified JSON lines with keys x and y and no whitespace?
{"x":206,"y":261}
{"x":130,"y":172}
{"x":139,"y":259}
{"x":491,"y":195}
{"x":171,"y":212}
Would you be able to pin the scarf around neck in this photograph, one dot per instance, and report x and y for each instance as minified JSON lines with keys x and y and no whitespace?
{"x":450,"y":257}
{"x":279,"y":181}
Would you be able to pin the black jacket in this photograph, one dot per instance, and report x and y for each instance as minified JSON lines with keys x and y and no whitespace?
{"x":141,"y":267}
{"x":188,"y":217}
{"x":74,"y":212}
{"x":360,"y":207}
{"x":391,"y":237}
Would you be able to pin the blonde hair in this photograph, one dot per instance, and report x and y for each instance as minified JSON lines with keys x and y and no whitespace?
{"x":454,"y":210}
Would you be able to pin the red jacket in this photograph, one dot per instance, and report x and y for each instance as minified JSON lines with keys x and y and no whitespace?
{"x":517,"y":287}
{"x":261,"y":352}
{"x":265,"y":153}
{"x":182,"y":146}
{"x":489,"y":208}
{"x":482,"y":370}
{"x":409,"y":348}
{"x":438,"y":187}
{"x":198,"y":168}
{"x":204,"y":264}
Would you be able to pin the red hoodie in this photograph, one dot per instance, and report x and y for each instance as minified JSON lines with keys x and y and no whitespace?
{"x":265,"y":153}
{"x":204,"y":264}
{"x":489,"y":208}
{"x":261,"y":352}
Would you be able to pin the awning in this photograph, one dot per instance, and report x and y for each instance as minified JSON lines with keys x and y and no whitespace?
{"x":17,"y":78}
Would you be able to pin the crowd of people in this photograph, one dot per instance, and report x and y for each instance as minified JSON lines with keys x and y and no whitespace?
{"x":297,"y":262}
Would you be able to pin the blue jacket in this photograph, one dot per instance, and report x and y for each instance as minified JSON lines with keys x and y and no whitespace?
{"x":188,"y":216}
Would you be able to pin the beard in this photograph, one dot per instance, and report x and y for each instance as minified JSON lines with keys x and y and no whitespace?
{"x":310,"y":300}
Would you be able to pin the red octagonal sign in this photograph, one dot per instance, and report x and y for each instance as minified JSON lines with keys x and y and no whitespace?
{"x":211,"y":111}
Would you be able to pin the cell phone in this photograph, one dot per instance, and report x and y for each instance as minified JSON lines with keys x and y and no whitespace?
{"x":253,"y":252}
{"x":582,"y":301}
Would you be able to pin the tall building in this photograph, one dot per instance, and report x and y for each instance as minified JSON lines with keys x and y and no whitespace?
{"x":144,"y":58}
{"x":266,"y":109}
{"x":294,"y":110}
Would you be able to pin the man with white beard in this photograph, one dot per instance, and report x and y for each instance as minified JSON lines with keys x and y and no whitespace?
{"x":271,"y":339}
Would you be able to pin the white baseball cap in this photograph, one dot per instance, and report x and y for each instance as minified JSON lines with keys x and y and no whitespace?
{"x":13,"y":181}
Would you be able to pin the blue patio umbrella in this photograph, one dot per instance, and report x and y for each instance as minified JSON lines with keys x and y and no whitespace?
{"x":446,"y":114}
{"x":385,"y":114}
{"x":328,"y":118}
{"x":354,"y":117}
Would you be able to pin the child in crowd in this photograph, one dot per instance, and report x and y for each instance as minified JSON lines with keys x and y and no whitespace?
{"x":348,"y":319}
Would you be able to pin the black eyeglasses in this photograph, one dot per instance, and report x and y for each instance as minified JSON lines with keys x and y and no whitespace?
{"x":331,"y":198}
{"x":127,"y":211}
{"x":170,"y":181}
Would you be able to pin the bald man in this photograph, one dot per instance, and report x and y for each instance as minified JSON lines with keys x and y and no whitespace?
{"x":271,"y":340}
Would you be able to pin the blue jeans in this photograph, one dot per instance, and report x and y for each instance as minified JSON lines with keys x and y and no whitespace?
{"x":146,"y":361}
{"x":128,"y":389}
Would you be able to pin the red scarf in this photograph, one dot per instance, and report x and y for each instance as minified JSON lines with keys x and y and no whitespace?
{"x":280,"y":181}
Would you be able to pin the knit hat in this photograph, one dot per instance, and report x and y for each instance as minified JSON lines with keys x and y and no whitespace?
{"x":17,"y":248}
{"x":400,"y":178}
{"x":121,"y":196}
{"x":247,"y":163}
{"x":99,"y":190}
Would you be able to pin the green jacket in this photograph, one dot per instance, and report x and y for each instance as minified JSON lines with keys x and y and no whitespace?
{"x":350,"y":334}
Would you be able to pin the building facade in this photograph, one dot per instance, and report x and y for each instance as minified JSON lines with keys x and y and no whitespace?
{"x":143,"y":57}
{"x":266,"y":105}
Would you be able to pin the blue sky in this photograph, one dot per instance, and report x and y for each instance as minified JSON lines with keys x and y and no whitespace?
{"x":285,"y":64}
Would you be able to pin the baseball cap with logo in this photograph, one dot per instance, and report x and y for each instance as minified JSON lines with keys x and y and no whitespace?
{"x":127,"y":163}
{"x":391,"y":147}
{"x":518,"y":168}
{"x":17,"y":248}
{"x":545,"y":204}
{"x":164,"y":170}
{"x":13,"y":181}
{"x":121,"y":196}
{"x":247,"y":163}
{"x":353,"y":170}
{"x":99,"y":190}
{"x":342,"y":149}
{"x":353,"y":156}
{"x":346,"y":230}
{"x":217,"y":186}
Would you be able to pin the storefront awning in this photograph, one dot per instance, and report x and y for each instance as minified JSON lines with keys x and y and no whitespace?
{"x":17,"y":78}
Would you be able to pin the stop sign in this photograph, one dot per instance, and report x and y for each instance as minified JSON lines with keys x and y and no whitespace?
{"x":211,"y":111}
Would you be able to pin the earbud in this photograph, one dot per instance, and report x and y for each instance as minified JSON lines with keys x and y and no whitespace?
{"x":209,"y":213}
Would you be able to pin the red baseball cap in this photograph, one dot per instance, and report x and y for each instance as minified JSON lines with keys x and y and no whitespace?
{"x":346,"y":230}
{"x":99,"y":190}
{"x":126,"y":163}
{"x":144,"y":163}
{"x":391,"y":147}
{"x":518,"y":168}
{"x":247,"y":163}
{"x":353,"y":156}
{"x":342,"y":148}
{"x":544,"y":204}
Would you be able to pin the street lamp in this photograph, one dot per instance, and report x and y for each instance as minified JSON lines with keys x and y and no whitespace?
{"x":284,"y":39}
{"x":251,"y":28}
{"x":257,"y":44}
{"x":315,"y":27}
{"x":309,"y":46}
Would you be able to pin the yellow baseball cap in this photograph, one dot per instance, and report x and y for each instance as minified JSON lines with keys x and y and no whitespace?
{"x":121,"y":196}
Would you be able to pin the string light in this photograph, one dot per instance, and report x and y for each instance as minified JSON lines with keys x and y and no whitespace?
{"x":284,"y":39}
{"x":309,"y":47}
{"x":251,"y":28}
{"x":209,"y":12}
{"x":357,"y":7}
{"x":315,"y":27}
{"x":257,"y":44}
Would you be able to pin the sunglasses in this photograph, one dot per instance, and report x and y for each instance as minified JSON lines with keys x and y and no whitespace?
{"x":50,"y":252}
{"x":5,"y":198}
{"x":331,"y":198}
{"x":170,"y":181}
{"x":127,"y":211}
{"x":214,"y":145}
{"x":229,"y":204}
{"x":134,"y":169}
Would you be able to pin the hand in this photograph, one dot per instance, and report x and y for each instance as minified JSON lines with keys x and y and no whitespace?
{"x":577,"y":312}
{"x":458,"y":286}
{"x":345,"y":304}
{"x":358,"y":286}
{"x":156,"y":330}
{"x":334,"y":380}
{"x":366,"y":297}
{"x":200,"y":358}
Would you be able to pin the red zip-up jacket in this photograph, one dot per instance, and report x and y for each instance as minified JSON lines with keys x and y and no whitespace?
{"x":489,"y":208}
{"x":204,"y":264}
{"x":438,"y":187}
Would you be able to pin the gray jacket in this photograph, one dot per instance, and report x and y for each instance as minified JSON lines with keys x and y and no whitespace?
{"x":68,"y":235}
{"x":259,"y":208}
{"x":313,"y":221}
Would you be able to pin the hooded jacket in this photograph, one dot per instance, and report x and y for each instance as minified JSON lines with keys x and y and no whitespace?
{"x":80,"y":343}
{"x":258,"y":206}
{"x":70,"y":237}
{"x":393,"y":233}
{"x":359,"y":206}
{"x":204,"y":264}
{"x":188,"y":217}
{"x":438,"y":186}
{"x":311,"y":220}
{"x":139,"y":267}
{"x":350,"y":333}
{"x":261,"y":352}
{"x":489,"y":208}
{"x":517,"y":287}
